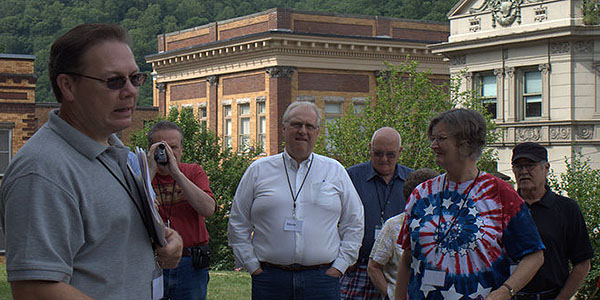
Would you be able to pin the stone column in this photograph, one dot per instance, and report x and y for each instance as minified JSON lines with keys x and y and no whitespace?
{"x":515,"y":106}
{"x":212,"y":109}
{"x":280,"y":96}
{"x":500,"y":99}
{"x":162,"y":98}
{"x":545,"y":69}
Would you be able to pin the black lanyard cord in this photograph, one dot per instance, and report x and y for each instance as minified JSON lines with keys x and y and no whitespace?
{"x":386,"y":200}
{"x":301,"y":185}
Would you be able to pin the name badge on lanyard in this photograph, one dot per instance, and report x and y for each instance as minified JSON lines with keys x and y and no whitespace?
{"x":292,"y":224}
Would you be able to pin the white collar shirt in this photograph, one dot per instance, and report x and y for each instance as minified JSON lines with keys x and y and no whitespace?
{"x":327,"y":204}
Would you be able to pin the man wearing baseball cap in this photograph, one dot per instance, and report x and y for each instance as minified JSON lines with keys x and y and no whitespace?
{"x":560,"y":224}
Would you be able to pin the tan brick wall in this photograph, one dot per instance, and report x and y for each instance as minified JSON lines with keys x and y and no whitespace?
{"x":22,"y":115}
{"x":333,"y":25}
{"x":321,"y":23}
{"x":244,"y":30}
{"x":334,"y":82}
{"x":245,"y":93}
{"x":320,"y":96}
{"x":188,"y":38}
{"x":244,"y":84}
{"x":16,"y":66}
{"x":243,"y":26}
{"x":190,"y":90}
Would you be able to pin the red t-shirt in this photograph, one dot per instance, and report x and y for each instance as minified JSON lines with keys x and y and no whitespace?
{"x":175,"y":209}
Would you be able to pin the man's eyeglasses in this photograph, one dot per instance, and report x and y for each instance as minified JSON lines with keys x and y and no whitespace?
{"x":521,"y":167}
{"x":117,"y":82}
{"x":299,"y":125}
{"x":389,"y":155}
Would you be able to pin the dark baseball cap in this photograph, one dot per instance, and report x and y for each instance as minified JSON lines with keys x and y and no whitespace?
{"x":530,"y":150}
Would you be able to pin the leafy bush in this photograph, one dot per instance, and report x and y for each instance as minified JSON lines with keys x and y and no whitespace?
{"x":580,"y":183}
{"x":407,"y":100}
{"x":224,"y":168}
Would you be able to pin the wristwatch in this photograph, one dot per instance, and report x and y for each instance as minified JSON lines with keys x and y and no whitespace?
{"x":510,"y":290}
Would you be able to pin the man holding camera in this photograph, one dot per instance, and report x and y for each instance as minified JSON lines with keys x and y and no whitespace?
{"x":184,"y":199}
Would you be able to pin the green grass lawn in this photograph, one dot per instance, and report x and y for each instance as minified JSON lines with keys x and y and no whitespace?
{"x":229,"y":285}
{"x":223,"y":285}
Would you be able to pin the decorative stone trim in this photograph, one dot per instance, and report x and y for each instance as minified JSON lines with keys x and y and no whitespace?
{"x":201,"y":104}
{"x":544,"y":68}
{"x":226,"y":102}
{"x":499,"y":72}
{"x":360,"y":100}
{"x":560,"y":133}
{"x":560,"y":47}
{"x":261,"y":99}
{"x":505,"y":12}
{"x":527,"y":134}
{"x":306,"y":98}
{"x":510,"y":72}
{"x":475,"y":24}
{"x":458,"y":60}
{"x":334,"y":99}
{"x":281,"y":72}
{"x":242,"y":101}
{"x":161,"y":87}
{"x":212,"y":80}
{"x":586,"y":47}
{"x":584,"y":132}
{"x":541,"y":13}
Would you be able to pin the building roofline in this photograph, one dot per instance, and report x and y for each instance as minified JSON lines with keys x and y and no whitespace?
{"x":275,"y":32}
{"x":318,"y":13}
{"x":514,"y":38}
{"x":17,"y":56}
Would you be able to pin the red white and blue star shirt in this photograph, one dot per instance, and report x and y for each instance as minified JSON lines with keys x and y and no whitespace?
{"x":464,"y":237}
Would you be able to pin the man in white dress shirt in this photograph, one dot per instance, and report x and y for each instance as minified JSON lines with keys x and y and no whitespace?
{"x":296,"y":220}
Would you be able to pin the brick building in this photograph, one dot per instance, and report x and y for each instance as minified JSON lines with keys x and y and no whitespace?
{"x":239,"y":75}
{"x":17,"y":104}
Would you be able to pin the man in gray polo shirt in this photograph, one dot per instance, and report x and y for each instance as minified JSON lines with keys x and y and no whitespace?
{"x":71,"y":205}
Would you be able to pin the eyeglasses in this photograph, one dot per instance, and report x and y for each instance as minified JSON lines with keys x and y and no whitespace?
{"x":521,"y":167}
{"x":299,"y":125}
{"x":389,"y":155}
{"x":117,"y":82}
{"x":439,"y":138}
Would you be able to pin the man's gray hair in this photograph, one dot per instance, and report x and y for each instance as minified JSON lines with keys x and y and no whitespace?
{"x":296,"y":104}
{"x":387,"y":128}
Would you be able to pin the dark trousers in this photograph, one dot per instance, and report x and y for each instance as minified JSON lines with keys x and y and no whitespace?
{"x":277,"y":284}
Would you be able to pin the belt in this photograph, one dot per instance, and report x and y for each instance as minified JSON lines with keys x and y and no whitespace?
{"x":295,"y":267}
{"x":551,"y":294}
{"x":187,"y":251}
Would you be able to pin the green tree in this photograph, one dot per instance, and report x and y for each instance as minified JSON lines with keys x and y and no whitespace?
{"x":224,"y":168}
{"x":406,"y":100}
{"x":580,"y":183}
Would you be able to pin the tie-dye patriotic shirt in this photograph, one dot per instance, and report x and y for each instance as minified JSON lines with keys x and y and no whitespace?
{"x":474,"y":242}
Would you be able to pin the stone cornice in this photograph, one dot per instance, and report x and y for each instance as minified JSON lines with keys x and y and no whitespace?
{"x":568,"y":32}
{"x":564,"y":132}
{"x":267,"y":50}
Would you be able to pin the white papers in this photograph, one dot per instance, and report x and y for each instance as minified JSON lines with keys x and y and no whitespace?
{"x":157,"y":222}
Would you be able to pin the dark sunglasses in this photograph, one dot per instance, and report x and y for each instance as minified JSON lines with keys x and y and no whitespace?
{"x":117,"y":82}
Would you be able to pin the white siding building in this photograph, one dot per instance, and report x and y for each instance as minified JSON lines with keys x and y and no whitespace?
{"x":536,"y":65}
